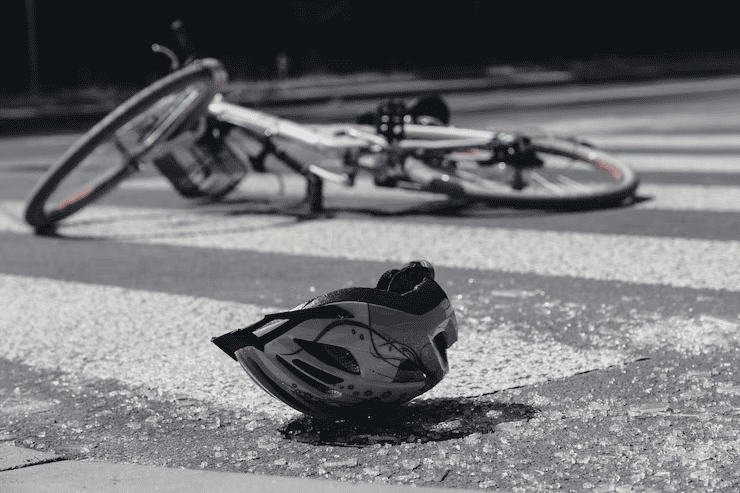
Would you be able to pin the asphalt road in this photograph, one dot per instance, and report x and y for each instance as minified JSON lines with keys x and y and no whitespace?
{"x":598,"y":350}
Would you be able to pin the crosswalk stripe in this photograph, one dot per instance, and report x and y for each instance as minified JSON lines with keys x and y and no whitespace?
{"x":712,"y":198}
{"x":709,"y":198}
{"x":38,"y":141}
{"x":679,"y":262}
{"x":161,"y":341}
{"x":670,"y":261}
{"x":685,"y":163}
{"x":112,"y":332}
{"x":676,"y":143}
{"x":20,"y":163}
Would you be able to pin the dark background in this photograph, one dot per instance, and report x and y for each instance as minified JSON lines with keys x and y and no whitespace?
{"x":94,"y":43}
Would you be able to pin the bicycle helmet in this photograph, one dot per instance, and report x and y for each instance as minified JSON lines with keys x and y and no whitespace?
{"x":354,"y":350}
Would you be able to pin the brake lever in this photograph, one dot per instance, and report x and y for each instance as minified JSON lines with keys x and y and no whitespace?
{"x":178,"y":29}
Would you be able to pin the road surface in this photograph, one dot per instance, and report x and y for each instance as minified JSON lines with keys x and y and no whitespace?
{"x":598,"y":350}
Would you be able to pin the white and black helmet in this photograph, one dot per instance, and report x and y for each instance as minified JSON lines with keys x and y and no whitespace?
{"x":353,"y":350}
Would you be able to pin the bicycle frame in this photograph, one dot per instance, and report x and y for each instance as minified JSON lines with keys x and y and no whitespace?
{"x":349,"y":136}
{"x":204,"y":146}
{"x":354,"y":140}
{"x":351,"y":141}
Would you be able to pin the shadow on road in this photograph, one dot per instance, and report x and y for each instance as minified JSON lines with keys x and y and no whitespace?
{"x":205,"y":218}
{"x":422,"y":421}
{"x":447,"y":208}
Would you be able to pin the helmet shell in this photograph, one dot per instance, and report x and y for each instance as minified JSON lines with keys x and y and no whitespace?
{"x":380,"y":356}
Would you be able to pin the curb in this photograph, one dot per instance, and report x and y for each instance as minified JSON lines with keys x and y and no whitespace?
{"x":67,"y":475}
{"x":296,"y":97}
{"x":282,"y":93}
{"x":508,"y":91}
{"x":12,"y":457}
{"x":279,"y":94}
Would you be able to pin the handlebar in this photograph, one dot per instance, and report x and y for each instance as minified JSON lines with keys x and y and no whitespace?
{"x":174,"y":61}
{"x":178,"y":29}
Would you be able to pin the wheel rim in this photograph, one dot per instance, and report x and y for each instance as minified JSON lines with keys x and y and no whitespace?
{"x":121,"y":150}
{"x":571,"y":173}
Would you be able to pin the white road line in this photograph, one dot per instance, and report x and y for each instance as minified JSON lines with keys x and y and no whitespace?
{"x":703,"y":198}
{"x":507,"y":98}
{"x":679,"y":262}
{"x":293,"y":185}
{"x":692,"y":118}
{"x":10,"y":217}
{"x":39,"y":141}
{"x":696,"y":163}
{"x":134,"y":222}
{"x":710,"y":198}
{"x":725,"y":143}
{"x":669,"y":261}
{"x":639,"y":162}
{"x":137,"y":337}
{"x":161,"y":341}
{"x":28,"y":161}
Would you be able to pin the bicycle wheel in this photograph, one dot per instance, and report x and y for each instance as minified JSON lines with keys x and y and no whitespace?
{"x":112,"y":149}
{"x":572,"y":176}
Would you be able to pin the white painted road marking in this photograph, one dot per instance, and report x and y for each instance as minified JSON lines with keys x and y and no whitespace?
{"x":161,"y":341}
{"x":710,"y":143}
{"x":113,"y":332}
{"x":678,"y":262}
{"x":704,"y":198}
{"x":709,"y":198}
{"x":682,"y":163}
{"x":26,"y":162}
{"x":651,"y":260}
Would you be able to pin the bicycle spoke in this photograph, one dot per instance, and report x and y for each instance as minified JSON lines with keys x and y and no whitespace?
{"x":544,"y":182}
{"x":476,"y":179}
{"x":171,"y":120}
{"x":122,"y":148}
{"x":572,"y":183}
{"x":569,"y":175}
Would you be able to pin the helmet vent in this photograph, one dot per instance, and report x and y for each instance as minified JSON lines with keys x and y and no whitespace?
{"x":334,"y":356}
{"x":408,"y":371}
{"x":441,"y":342}
{"x":317,"y":372}
{"x":302,"y":376}
{"x":272,"y":387}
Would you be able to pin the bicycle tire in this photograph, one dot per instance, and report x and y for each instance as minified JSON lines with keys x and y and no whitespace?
{"x":206,"y":75}
{"x":605,"y":179}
